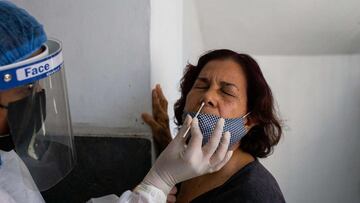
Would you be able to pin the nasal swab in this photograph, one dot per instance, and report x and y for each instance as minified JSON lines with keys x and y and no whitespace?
{"x":197,"y":113}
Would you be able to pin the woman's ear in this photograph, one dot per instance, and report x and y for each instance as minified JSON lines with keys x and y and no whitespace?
{"x":249,"y":123}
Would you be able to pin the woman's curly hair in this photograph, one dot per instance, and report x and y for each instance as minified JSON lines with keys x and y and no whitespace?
{"x":266,"y":133}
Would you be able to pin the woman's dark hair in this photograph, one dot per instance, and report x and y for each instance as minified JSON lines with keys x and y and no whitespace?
{"x":266,"y":133}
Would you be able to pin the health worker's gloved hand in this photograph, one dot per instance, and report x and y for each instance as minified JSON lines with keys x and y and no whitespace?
{"x":180,"y":162}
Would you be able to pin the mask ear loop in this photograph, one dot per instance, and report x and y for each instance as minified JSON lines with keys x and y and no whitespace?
{"x":244,"y":116}
{"x":29,"y":86}
{"x":4,"y":107}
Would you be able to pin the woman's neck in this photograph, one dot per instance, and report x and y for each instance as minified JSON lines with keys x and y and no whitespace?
{"x":237,"y":162}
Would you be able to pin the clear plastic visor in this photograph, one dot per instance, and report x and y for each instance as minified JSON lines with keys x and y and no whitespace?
{"x":40,"y":127}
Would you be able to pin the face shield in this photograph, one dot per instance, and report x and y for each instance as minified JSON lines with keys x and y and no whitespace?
{"x":33,"y":92}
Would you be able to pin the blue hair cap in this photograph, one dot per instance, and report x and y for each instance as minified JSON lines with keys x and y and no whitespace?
{"x":20,"y":34}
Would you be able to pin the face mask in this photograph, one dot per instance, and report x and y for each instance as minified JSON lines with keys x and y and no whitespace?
{"x":25,"y":118}
{"x":207,"y":123}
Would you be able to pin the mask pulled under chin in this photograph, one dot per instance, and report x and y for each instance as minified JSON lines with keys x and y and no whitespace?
{"x":207,"y":123}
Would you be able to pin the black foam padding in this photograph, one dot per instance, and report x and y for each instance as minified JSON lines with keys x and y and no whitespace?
{"x":105,"y":165}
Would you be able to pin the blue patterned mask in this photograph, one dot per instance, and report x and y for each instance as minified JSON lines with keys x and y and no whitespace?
{"x":207,"y":123}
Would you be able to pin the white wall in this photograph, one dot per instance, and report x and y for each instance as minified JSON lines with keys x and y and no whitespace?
{"x":319,"y":100}
{"x":166,"y":39}
{"x":193,"y":46}
{"x":107,"y":57}
{"x":279,"y":27}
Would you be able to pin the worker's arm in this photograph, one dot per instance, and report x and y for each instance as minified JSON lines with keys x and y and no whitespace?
{"x":179,"y":162}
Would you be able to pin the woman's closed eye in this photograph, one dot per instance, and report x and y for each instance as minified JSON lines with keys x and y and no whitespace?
{"x":225,"y":91}
{"x":201,"y":85}
{"x":229,"y":89}
{"x":228,"y":92}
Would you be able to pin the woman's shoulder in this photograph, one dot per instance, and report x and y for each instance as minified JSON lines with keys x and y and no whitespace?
{"x":255,"y":182}
{"x":252,"y":183}
{"x":253,"y":173}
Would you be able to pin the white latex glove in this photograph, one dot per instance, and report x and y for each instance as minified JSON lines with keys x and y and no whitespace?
{"x":180,"y":162}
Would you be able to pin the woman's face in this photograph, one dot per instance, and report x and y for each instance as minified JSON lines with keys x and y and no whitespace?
{"x":221,"y":84}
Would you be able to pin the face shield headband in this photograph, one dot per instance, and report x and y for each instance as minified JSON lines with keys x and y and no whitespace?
{"x":25,"y":72}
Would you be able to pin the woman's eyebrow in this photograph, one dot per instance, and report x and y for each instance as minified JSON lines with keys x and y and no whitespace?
{"x":203,"y":79}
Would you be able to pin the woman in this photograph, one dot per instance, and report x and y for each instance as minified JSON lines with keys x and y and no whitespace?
{"x":232,"y":86}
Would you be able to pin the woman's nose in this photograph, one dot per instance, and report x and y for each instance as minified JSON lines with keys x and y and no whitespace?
{"x":210,"y":98}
